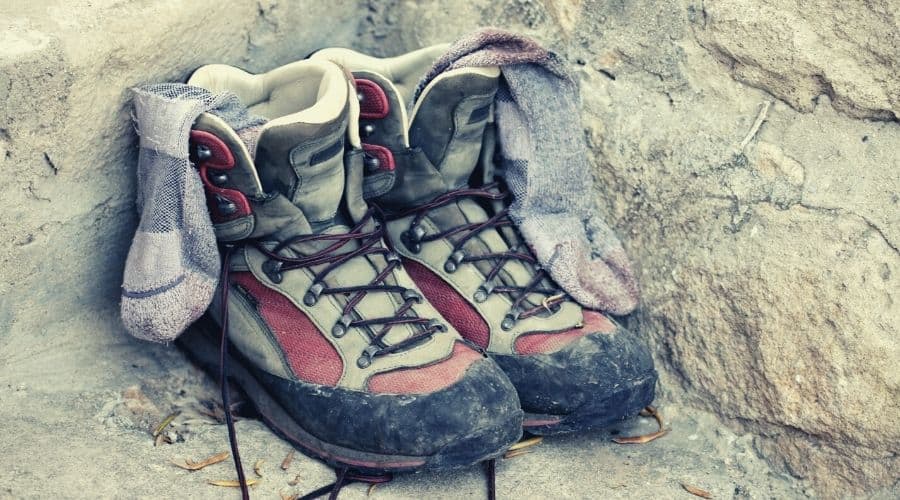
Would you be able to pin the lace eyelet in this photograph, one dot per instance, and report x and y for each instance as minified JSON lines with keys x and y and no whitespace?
{"x":366,"y":359}
{"x":368,"y":129}
{"x":312,"y":295}
{"x":342,"y":326}
{"x":454,"y":260}
{"x":412,"y":238}
{"x":483,"y":292}
{"x":226,"y":207}
{"x":511,"y":318}
{"x":371,"y":163}
{"x":203,"y":152}
{"x":393,"y":257}
{"x":272,"y":268}
{"x":438,"y":325}
{"x":218,"y":177}
{"x":412,"y":295}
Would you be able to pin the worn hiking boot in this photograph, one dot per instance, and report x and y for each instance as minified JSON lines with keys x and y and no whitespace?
{"x":573,"y":368}
{"x":330,"y":337}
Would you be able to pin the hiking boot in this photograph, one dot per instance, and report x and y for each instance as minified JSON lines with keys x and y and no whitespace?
{"x":573,"y":368}
{"x":330,"y":338}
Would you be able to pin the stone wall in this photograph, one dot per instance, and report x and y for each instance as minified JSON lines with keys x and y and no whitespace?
{"x":748,"y":153}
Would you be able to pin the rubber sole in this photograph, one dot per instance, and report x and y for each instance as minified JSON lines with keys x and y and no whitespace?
{"x":202,"y":346}
{"x":596,"y":414}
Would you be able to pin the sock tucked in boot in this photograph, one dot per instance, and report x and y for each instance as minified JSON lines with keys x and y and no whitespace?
{"x":573,"y":368}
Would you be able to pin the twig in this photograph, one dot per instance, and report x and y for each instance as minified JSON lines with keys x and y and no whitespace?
{"x":760,"y":118}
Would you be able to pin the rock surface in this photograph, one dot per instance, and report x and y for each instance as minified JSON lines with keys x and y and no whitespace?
{"x":748,"y":153}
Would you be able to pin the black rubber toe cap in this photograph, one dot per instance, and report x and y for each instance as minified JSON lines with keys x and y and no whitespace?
{"x":476,"y":417}
{"x":612,"y":370}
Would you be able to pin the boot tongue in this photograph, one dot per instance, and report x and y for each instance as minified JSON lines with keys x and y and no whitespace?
{"x":449,"y":119}
{"x":445,"y":133}
{"x":302,"y":157}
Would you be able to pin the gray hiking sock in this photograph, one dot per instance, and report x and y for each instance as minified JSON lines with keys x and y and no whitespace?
{"x":173,"y":264}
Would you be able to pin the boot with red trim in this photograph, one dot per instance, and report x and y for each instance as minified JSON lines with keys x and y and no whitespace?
{"x":573,"y":368}
{"x":326,"y":333}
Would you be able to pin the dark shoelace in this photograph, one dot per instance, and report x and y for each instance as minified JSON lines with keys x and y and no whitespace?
{"x":416,"y":235}
{"x":368,"y":245}
{"x":223,"y":377}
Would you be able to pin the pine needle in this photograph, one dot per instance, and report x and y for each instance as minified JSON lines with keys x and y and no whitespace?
{"x":526,"y":443}
{"x":165,"y":423}
{"x":516,"y":453}
{"x":646,"y":438}
{"x":189,"y":464}
{"x":230,"y":483}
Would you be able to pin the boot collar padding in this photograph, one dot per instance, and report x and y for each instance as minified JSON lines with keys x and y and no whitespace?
{"x":404,"y":70}
{"x":304,"y":91}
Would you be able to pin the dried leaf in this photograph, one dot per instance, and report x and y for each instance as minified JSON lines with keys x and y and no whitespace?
{"x":192,"y":465}
{"x":646,"y":438}
{"x":165,"y":423}
{"x":371,"y":489}
{"x":515,"y":453}
{"x":693,"y":490}
{"x":526,"y":443}
{"x":288,"y":496}
{"x":257,"y":466}
{"x":229,"y":483}
{"x":286,"y":463}
{"x":293,"y":482}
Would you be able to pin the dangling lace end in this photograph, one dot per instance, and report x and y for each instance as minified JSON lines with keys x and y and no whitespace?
{"x":490,"y":471}
{"x":223,"y":378}
{"x":345,"y":477}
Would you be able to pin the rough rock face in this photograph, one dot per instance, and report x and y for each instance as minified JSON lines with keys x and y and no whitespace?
{"x":851,"y":53}
{"x":749,"y":154}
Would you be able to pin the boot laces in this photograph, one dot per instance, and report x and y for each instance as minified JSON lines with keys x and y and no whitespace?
{"x":416,"y":235}
{"x":368,"y":236}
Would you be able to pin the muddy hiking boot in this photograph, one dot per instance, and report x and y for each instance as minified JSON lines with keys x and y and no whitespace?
{"x":329,"y":337}
{"x":573,"y":368}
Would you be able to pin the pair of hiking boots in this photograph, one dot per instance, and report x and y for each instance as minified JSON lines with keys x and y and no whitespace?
{"x":382,"y":311}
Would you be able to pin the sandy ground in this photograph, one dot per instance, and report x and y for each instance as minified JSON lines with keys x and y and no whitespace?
{"x":80,"y":426}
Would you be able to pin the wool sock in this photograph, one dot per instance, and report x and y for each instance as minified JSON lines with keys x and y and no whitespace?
{"x":172,"y":268}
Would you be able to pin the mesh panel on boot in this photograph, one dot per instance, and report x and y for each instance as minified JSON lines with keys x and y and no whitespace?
{"x":311,"y":357}
{"x":426,"y":379}
{"x":453,"y":307}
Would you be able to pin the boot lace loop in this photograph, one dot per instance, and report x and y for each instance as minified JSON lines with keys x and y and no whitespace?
{"x":415,"y":235}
